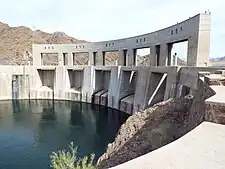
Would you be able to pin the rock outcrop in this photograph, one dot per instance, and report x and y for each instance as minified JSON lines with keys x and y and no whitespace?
{"x":215,"y":113}
{"x":146,"y":131}
{"x":17,"y":41}
{"x":157,"y":126}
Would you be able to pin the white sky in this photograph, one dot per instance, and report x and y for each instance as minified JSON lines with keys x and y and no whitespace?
{"x":97,"y":20}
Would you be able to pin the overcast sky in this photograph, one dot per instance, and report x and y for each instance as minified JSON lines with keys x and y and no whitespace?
{"x":98,"y":20}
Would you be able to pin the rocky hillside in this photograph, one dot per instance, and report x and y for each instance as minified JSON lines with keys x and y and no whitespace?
{"x":217,"y":59}
{"x":218,"y":62}
{"x":143,"y":60}
{"x":16,"y":42}
{"x":157,"y":126}
{"x":146,"y":131}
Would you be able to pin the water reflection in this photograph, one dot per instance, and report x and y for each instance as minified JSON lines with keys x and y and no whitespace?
{"x":31,"y":130}
{"x":76,"y":115}
{"x":48,"y":110}
{"x":16,"y":106}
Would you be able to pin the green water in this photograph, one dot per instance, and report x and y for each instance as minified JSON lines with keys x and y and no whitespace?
{"x":31,"y":130}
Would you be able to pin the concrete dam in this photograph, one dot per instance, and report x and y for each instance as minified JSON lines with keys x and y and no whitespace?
{"x":128,"y":89}
{"x":127,"y":86}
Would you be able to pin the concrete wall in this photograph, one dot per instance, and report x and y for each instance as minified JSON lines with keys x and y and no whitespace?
{"x":149,"y":82}
{"x":127,"y":81}
{"x":54,"y":82}
{"x":195,"y":30}
{"x":47,"y":78}
{"x":76,"y":78}
{"x":121,"y":91}
{"x":102,"y":80}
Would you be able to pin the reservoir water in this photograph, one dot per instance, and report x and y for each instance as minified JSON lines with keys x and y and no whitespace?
{"x":31,"y":130}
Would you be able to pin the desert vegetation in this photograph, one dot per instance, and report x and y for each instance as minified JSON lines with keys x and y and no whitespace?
{"x":68,"y":159}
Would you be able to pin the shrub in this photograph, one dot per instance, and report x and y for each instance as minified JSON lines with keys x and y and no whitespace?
{"x":68,"y":160}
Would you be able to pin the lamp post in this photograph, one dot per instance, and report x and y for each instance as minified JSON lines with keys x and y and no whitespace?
{"x":175,"y":59}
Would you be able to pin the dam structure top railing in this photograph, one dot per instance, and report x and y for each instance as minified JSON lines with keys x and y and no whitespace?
{"x":195,"y":30}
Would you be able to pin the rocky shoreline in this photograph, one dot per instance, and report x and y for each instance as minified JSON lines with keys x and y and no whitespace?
{"x":157,"y":126}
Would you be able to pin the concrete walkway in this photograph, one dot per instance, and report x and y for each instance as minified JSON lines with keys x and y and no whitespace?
{"x":219,"y":97}
{"x":202,"y":148}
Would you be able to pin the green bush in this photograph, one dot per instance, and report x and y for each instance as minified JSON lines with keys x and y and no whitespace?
{"x":69,"y":160}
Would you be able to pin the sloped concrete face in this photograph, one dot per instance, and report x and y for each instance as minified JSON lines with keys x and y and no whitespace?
{"x":102,"y":79}
{"x":113,"y":87}
{"x":76,"y":78}
{"x":105,"y":80}
{"x":128,"y":82}
{"x":157,"y":87}
{"x":87,"y":89}
{"x":126,"y":104}
{"x":154,"y":84}
{"x":141,"y":88}
{"x":126,"y":89}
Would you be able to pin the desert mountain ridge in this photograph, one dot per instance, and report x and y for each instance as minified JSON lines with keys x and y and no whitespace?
{"x":217,"y":59}
{"x":16,"y":42}
{"x":16,"y":45}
